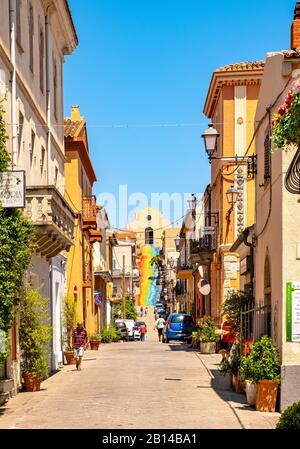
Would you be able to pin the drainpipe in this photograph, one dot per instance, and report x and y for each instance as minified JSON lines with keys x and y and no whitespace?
{"x":52,"y":302}
{"x":48,"y":96}
{"x":12,"y":30}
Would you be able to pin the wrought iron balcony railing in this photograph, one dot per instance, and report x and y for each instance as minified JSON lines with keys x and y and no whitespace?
{"x":89,"y":212}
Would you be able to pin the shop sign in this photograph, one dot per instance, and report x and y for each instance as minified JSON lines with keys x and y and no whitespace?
{"x":293,"y":312}
{"x":12,"y":189}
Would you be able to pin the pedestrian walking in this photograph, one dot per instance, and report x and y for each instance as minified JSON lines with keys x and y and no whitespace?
{"x":159,"y":325}
{"x":141,"y":311}
{"x":143,"y":331}
{"x":79,"y":344}
{"x":228,"y":335}
{"x":146,"y":311}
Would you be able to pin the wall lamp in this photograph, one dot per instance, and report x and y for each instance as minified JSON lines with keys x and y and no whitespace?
{"x":210,"y":137}
{"x":232,"y":197}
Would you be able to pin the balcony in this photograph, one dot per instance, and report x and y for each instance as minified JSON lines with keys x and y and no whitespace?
{"x":52,"y":218}
{"x":89,"y":213}
{"x":202,"y":251}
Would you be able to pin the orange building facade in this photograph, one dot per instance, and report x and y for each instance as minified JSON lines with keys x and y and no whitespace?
{"x":231,"y":105}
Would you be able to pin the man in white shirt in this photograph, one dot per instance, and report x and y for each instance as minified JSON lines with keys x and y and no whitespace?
{"x":160,"y":324}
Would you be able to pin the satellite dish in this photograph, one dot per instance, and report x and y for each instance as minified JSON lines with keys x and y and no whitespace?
{"x":204,"y":287}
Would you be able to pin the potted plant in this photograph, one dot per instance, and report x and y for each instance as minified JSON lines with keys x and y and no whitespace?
{"x":208,"y":335}
{"x":94,"y":340}
{"x":35,"y":333}
{"x":105,"y":336}
{"x":69,"y":323}
{"x":261,"y":372}
{"x":290,"y":418}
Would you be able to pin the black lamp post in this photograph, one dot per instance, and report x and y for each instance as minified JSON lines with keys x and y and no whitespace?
{"x":177,"y":242}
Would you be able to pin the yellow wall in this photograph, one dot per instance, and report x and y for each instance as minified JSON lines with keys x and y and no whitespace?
{"x":75,"y":257}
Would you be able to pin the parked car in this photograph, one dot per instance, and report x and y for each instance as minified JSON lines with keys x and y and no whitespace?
{"x":121,"y":327}
{"x":158,"y":305}
{"x":129,"y":325}
{"x":178,"y":327}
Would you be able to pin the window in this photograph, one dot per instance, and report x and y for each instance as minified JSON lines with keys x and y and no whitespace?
{"x":18,"y":21}
{"x":31,"y":32}
{"x":149,"y":236}
{"x":41,"y":53}
{"x":43,"y":160}
{"x":20,"y":132}
{"x":267,"y":146}
{"x":32,"y":143}
{"x":55,"y":89}
{"x":56,"y":176}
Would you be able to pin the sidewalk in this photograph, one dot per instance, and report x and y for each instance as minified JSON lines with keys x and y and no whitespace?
{"x":248,"y":417}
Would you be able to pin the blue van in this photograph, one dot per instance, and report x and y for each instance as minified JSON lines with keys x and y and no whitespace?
{"x":178,"y":327}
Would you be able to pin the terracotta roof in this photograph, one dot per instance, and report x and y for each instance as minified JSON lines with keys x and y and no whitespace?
{"x":291,"y":53}
{"x":242,"y":66}
{"x":71,"y":128}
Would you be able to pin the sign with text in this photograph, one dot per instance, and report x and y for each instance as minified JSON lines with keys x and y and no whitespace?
{"x":293,"y":312}
{"x":12,"y":189}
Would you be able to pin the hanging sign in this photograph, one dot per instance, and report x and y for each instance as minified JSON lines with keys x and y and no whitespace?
{"x":12,"y":189}
{"x":293,"y":312}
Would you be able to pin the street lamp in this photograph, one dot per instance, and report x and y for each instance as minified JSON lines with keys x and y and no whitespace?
{"x":177,"y":242}
{"x":171,"y":262}
{"x":232,"y":196}
{"x":210,"y":137}
{"x":192,"y":202}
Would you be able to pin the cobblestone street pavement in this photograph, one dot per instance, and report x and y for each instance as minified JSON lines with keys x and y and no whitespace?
{"x":136,"y":385}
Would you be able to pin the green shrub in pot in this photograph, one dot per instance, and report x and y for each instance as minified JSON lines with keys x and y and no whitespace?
{"x":262,"y":363}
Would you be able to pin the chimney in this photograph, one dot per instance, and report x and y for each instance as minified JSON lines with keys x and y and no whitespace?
{"x":75,"y":114}
{"x":295,"y":31}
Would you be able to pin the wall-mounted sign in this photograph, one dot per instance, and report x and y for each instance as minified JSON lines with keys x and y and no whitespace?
{"x":12,"y":189}
{"x":98,"y":298}
{"x":293,"y":312}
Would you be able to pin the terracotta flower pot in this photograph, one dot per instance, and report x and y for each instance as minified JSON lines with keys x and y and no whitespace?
{"x":266,"y":395}
{"x":70,"y":358}
{"x":32,"y":381}
{"x":94,"y":345}
{"x":251,"y":390}
{"x":208,"y":347}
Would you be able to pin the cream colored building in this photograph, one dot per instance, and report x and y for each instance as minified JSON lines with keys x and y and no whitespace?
{"x":277,"y":229}
{"x":35,"y":37}
{"x":149,"y":224}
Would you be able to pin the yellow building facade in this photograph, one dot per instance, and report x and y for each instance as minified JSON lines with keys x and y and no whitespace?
{"x":231,"y":105}
{"x":79,"y":179}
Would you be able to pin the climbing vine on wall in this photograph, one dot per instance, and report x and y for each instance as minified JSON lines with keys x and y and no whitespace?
{"x":16,"y":238}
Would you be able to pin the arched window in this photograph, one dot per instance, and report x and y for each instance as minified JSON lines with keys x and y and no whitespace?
{"x":149,"y":239}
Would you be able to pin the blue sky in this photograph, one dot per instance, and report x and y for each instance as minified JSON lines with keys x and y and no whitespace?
{"x":150,"y":62}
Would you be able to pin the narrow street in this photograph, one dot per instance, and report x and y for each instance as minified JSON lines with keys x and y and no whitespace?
{"x":136,"y":385}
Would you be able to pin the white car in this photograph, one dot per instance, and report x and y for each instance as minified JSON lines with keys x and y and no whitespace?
{"x":130,"y":325}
